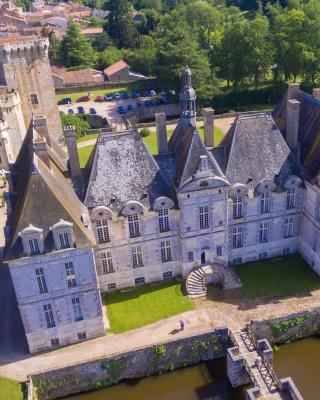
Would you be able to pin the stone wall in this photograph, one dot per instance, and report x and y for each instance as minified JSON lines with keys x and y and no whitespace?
{"x":139,"y":363}
{"x":288,"y":328}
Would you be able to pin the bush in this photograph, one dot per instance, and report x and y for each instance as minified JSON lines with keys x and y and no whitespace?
{"x":78,"y":122}
{"x":145,"y":132}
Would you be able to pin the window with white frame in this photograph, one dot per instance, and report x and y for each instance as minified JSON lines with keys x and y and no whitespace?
{"x":264,"y":232}
{"x":107,"y":262}
{"x":190,"y":256}
{"x":82,"y":335}
{"x":34,"y":246}
{"x":139,"y":281}
{"x":167,"y":275}
{"x":237,"y":237}
{"x":102,"y":230}
{"x":49,"y":316}
{"x":237,"y":260}
{"x":77,"y":309}
{"x":164,"y":220}
{"x":204,"y":217}
{"x":288,"y":227}
{"x":41,"y":280}
{"x":237,"y":206}
{"x":137,"y":259}
{"x":166,"y":251}
{"x":71,"y":277}
{"x":219,"y":251}
{"x":263,"y":255}
{"x":111,"y":286}
{"x":64,"y":240}
{"x":134,"y":228}
{"x":265,"y":202}
{"x":291,"y":198}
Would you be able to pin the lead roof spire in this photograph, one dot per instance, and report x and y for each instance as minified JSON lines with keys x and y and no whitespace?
{"x":188,"y":97}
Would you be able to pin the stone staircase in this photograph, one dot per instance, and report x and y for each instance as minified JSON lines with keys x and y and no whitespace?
{"x":196,"y":280}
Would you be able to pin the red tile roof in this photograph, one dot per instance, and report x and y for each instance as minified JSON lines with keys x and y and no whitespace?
{"x":114,"y":68}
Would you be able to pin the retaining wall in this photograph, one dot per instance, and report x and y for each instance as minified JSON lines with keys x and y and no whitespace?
{"x":139,"y":363}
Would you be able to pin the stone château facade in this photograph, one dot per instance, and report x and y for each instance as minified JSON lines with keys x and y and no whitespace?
{"x":147,"y":218}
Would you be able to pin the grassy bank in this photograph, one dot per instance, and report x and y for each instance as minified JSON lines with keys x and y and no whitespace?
{"x":10,"y":390}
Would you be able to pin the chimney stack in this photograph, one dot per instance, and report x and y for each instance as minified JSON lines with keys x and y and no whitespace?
{"x":71,"y":143}
{"x":40,"y":125}
{"x":293,"y":90}
{"x":316,"y":93}
{"x":40,"y":149}
{"x":293,"y":111}
{"x":161,"y":128}
{"x":208,"y":123}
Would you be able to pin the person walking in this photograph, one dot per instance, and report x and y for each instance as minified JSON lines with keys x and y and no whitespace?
{"x":181,"y":325}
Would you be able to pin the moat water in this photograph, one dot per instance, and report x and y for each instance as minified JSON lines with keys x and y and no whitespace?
{"x":208,"y":381}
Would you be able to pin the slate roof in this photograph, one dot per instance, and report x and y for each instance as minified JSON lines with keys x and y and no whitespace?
{"x":123,"y":169}
{"x":42,"y":196}
{"x":309,"y":131}
{"x":255,"y":149}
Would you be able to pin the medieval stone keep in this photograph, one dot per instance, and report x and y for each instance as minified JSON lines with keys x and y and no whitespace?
{"x":143,"y":218}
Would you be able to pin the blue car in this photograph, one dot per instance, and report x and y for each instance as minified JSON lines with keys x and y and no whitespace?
{"x":117,"y":96}
{"x":134,"y":95}
{"x":108,"y":97}
{"x":65,"y":100}
{"x":149,"y":103}
{"x":93,"y":111}
{"x":121,"y":110}
{"x":152,"y":93}
{"x":70,"y":111}
{"x":130,"y":107}
{"x":80,"y":110}
{"x":125,"y":95}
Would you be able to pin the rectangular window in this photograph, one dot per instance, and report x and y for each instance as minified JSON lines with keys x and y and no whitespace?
{"x":111,"y":286}
{"x":288,"y":227}
{"x":237,"y":207}
{"x":134,"y":228}
{"x":82,"y":335}
{"x":34,"y":99}
{"x":237,"y":260}
{"x":291,"y":198}
{"x":71,"y":277}
{"x":107,"y":262}
{"x":164,"y":220}
{"x":286,"y":251}
{"x":49,"y":315}
{"x":204,"y":217}
{"x":55,"y":342}
{"x":190,"y":256}
{"x":77,"y":309}
{"x":264,"y":232}
{"x":64,"y":240}
{"x":41,"y":280}
{"x":263,"y":255}
{"x":137,"y":259}
{"x":167,"y":275}
{"x":34,"y":246}
{"x":166,"y":251}
{"x":237,"y":237}
{"x":219,"y":251}
{"x":265,"y":202}
{"x":139,"y":281}
{"x":102,"y":230}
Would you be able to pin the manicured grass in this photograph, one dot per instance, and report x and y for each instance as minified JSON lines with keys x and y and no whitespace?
{"x":94,"y":93}
{"x":10,"y":389}
{"x":87,"y":137}
{"x":282,"y":276}
{"x":146,"y":304}
{"x":151,"y":140}
{"x":84,"y":154}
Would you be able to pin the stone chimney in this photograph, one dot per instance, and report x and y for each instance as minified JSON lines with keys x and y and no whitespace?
{"x":40,"y":125}
{"x":293,"y":90}
{"x":161,"y":133}
{"x":71,"y":143}
{"x":208,"y":124}
{"x":316,"y":93}
{"x":293,"y":111}
{"x":40,"y":149}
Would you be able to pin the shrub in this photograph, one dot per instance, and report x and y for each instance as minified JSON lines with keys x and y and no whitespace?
{"x":145,"y":132}
{"x":160,"y":350}
{"x":78,"y":122}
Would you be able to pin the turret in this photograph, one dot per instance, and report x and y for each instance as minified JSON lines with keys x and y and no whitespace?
{"x":188,"y":97}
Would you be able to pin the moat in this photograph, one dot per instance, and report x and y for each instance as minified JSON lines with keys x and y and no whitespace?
{"x":208,"y":381}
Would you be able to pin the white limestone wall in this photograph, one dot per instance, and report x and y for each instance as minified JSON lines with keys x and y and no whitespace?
{"x":59,"y":295}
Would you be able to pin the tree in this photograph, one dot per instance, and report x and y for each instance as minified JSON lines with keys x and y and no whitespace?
{"x":75,"y":48}
{"x":101,"y":41}
{"x":79,"y":123}
{"x":143,"y":59}
{"x":108,"y":57}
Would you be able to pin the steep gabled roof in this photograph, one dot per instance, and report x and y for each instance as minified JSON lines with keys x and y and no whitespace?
{"x":123,"y":169}
{"x":256,"y":150}
{"x":116,"y":67}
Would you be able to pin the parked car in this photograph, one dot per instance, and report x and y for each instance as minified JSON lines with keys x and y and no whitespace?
{"x":65,"y":100}
{"x":70,"y":111}
{"x":80,"y":110}
{"x":134,"y":95}
{"x":117,"y":96}
{"x":108,"y":97}
{"x":121,"y":110}
{"x":83,"y":98}
{"x":130,"y":107}
{"x":92,"y":111}
{"x":125,"y":95}
{"x":140,"y":102}
{"x":152,"y":93}
{"x":164,"y":99}
{"x":99,"y":99}
{"x":149,"y":103}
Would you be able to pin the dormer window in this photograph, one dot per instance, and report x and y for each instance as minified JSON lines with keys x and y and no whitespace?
{"x":265,"y":202}
{"x":204,"y":183}
{"x":291,"y":198}
{"x":62,"y":234}
{"x":237,"y":207}
{"x":64,"y":240}
{"x":32,"y":240}
{"x":34,"y":246}
{"x":204,"y":164}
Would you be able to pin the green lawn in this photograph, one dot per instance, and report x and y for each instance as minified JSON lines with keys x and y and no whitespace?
{"x":84,"y":154}
{"x":282,"y":276}
{"x":10,"y":389}
{"x":94,"y":93}
{"x":145,"y":304}
{"x":87,"y":137}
